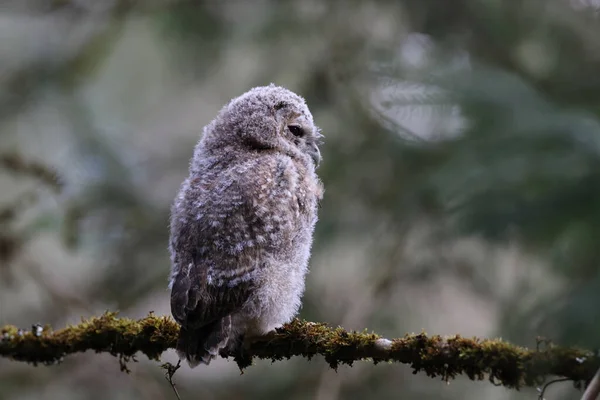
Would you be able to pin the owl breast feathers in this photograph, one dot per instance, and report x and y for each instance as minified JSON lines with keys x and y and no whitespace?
{"x":243,"y":221}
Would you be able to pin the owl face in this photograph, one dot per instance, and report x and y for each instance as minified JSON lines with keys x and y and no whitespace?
{"x":268,"y":118}
{"x":296,"y":132}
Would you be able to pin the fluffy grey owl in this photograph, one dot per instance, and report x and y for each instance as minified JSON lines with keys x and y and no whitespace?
{"x":243,"y":221}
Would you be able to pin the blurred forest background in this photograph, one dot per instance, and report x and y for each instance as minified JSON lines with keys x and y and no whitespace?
{"x":461,"y":165}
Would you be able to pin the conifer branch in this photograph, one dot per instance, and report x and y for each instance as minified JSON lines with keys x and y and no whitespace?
{"x":500,"y":362}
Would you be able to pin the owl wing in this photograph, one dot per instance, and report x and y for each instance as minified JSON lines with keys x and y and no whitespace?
{"x":250,"y":213}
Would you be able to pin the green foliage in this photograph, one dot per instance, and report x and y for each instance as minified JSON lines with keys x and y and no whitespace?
{"x":524,"y":167}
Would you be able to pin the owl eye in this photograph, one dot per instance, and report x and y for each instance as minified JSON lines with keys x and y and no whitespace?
{"x":296,"y":130}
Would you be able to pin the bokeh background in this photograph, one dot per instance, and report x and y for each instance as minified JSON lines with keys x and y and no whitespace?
{"x":461,"y":165}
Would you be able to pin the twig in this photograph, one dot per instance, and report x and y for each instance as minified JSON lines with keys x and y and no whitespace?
{"x":543,"y":389}
{"x":171,"y":369}
{"x":593,"y":389}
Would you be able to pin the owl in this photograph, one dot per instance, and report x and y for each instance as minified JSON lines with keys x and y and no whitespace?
{"x":242,"y":224}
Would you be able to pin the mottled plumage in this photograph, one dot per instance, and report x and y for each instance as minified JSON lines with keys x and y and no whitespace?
{"x":243,"y":221}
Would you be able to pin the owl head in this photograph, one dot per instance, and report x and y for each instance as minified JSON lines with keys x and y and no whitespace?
{"x":266,"y":118}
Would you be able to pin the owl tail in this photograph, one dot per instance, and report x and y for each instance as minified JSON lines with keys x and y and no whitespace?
{"x":202,"y":345}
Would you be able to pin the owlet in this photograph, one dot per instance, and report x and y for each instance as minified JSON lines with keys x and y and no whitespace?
{"x":243,"y":221}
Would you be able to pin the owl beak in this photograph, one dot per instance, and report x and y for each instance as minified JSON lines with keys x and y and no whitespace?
{"x":315,"y":154}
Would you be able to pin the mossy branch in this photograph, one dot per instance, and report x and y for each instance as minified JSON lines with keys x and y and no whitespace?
{"x":500,"y":362}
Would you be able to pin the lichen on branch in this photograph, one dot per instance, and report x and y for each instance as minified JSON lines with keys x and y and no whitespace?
{"x":500,"y":362}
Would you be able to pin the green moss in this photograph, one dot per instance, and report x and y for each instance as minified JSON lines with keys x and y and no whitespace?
{"x":121,"y":337}
{"x":500,"y":362}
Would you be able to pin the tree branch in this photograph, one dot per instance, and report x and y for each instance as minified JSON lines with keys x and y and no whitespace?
{"x":500,"y":362}
{"x":16,"y":164}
